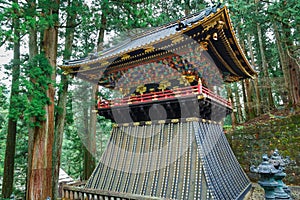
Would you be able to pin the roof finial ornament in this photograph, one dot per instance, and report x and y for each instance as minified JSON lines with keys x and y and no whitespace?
{"x":181,"y":25}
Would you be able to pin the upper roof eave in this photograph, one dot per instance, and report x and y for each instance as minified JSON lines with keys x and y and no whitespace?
{"x":121,"y":49}
{"x":142,"y":42}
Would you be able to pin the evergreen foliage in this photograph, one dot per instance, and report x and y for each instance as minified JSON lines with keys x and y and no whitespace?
{"x":3,"y":117}
{"x":262,"y":27}
{"x":36,"y":88}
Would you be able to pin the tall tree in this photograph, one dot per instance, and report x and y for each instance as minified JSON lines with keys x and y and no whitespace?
{"x":283,"y":63}
{"x":293,"y":66}
{"x":264,"y":66}
{"x":33,"y":51}
{"x":41,"y":91}
{"x":72,"y":8}
{"x":231,"y":99}
{"x":255,"y":82}
{"x":9,"y":162}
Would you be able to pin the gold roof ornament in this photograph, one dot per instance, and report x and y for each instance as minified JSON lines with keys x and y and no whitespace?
{"x":177,"y":39}
{"x":125,"y":56}
{"x":220,"y":25}
{"x":67,"y":71}
{"x":190,"y":78}
{"x":204,"y":45}
{"x":183,"y":81}
{"x":164,"y":85}
{"x":141,"y":89}
{"x":149,"y":49}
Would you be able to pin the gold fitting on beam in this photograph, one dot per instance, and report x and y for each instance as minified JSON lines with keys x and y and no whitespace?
{"x":65,"y":73}
{"x":200,"y":96}
{"x":207,"y":37}
{"x":125,"y":56}
{"x":148,"y":122}
{"x":215,"y":36}
{"x":220,"y":25}
{"x":136,"y":123}
{"x":204,"y":45}
{"x":149,"y":49}
{"x":192,"y":119}
{"x":175,"y":120}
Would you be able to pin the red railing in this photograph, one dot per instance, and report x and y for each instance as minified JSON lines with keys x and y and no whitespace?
{"x":164,"y":95}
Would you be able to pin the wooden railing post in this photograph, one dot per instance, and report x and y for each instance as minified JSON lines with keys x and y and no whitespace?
{"x":200,"y":86}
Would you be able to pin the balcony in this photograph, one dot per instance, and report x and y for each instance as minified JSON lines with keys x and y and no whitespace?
{"x":192,"y":101}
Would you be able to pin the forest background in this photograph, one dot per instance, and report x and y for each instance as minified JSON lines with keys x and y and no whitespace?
{"x":38,"y":111}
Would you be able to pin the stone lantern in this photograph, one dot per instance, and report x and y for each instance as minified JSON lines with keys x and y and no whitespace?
{"x":281,"y":191}
{"x":266,"y":170}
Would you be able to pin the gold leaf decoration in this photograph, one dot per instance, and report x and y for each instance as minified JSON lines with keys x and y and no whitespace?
{"x":190,"y":78}
{"x":220,"y":25}
{"x":183,"y":80}
{"x":125,"y":56}
{"x":67,"y":71}
{"x":163,"y":85}
{"x":141,"y":89}
{"x":149,"y":49}
{"x":204,"y":45}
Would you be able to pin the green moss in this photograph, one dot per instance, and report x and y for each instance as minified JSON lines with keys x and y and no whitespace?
{"x":250,"y":142}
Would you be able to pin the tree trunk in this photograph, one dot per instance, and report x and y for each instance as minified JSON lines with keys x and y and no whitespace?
{"x":267,"y":81}
{"x":255,"y":82}
{"x":39,"y":184}
{"x":246,"y":104}
{"x":88,"y":157}
{"x":247,"y":89}
{"x":230,"y":97}
{"x":294,"y":73}
{"x":33,"y":51}
{"x":250,"y":104}
{"x":90,"y":149}
{"x":245,"y":98}
{"x":239,"y":113}
{"x":286,"y":93}
{"x":9,"y":161}
{"x":293,"y":69}
{"x":62,"y":101}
